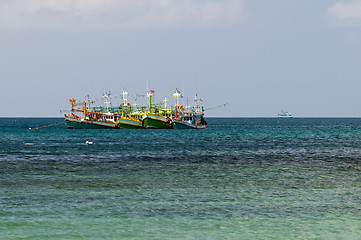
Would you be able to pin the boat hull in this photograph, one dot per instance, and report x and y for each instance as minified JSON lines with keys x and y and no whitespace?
{"x":88,"y":124}
{"x":177,"y":124}
{"x":130,"y":124}
{"x":155,"y":121}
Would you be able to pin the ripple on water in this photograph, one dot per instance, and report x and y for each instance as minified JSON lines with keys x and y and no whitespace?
{"x":242,"y":178}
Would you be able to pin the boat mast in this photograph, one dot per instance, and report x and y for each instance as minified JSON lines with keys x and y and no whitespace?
{"x":124,"y":97}
{"x":125,"y":100}
{"x":150,"y":94}
{"x":176,"y":96}
{"x":84,"y":108}
{"x":197,"y":108}
{"x":106,"y":103}
{"x":72,"y":102}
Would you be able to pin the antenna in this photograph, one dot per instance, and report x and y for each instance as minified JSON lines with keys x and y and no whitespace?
{"x":183,"y":92}
{"x":196,"y":80}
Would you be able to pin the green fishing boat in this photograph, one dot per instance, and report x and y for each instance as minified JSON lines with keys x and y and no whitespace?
{"x":154,"y":118}
{"x":129,"y":118}
{"x":133,"y":120}
{"x":129,"y":123}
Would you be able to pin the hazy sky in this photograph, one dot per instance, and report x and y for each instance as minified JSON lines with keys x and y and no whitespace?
{"x":259,"y":56}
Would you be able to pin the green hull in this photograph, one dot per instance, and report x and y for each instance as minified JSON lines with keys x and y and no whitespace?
{"x":125,"y":123}
{"x":74,"y":123}
{"x":152,"y":121}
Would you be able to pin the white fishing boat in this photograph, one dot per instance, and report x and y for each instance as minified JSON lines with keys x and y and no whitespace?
{"x":285,"y":114}
{"x":188,"y":117}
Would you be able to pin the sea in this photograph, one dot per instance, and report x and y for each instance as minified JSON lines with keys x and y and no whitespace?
{"x":241,"y":178}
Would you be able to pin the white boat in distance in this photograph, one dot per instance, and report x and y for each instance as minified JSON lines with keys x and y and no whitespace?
{"x":285,"y":115}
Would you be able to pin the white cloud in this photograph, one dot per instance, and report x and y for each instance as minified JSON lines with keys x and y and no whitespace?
{"x":20,"y":14}
{"x":346,"y":12}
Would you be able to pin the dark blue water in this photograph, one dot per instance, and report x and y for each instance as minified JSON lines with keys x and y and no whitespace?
{"x":238,"y":179}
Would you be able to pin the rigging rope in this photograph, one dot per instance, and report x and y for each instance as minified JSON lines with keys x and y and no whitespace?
{"x":48,"y":125}
{"x":219,"y":106}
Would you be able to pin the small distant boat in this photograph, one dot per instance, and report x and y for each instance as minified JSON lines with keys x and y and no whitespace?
{"x":284,"y":114}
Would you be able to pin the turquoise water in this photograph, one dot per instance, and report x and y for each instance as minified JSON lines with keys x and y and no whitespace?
{"x":239,"y":179}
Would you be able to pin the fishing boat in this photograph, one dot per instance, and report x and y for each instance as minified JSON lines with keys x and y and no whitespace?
{"x":188,"y":117}
{"x":132,"y":120}
{"x":284,"y":114}
{"x":86,"y":118}
{"x":128,"y":122}
{"x":188,"y":123}
{"x":155,"y":117}
{"x":155,"y":120}
{"x":128,"y":117}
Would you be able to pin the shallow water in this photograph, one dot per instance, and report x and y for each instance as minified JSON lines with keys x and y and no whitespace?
{"x":238,"y":179}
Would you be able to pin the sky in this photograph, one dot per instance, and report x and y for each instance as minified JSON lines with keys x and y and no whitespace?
{"x":258,"y":56}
